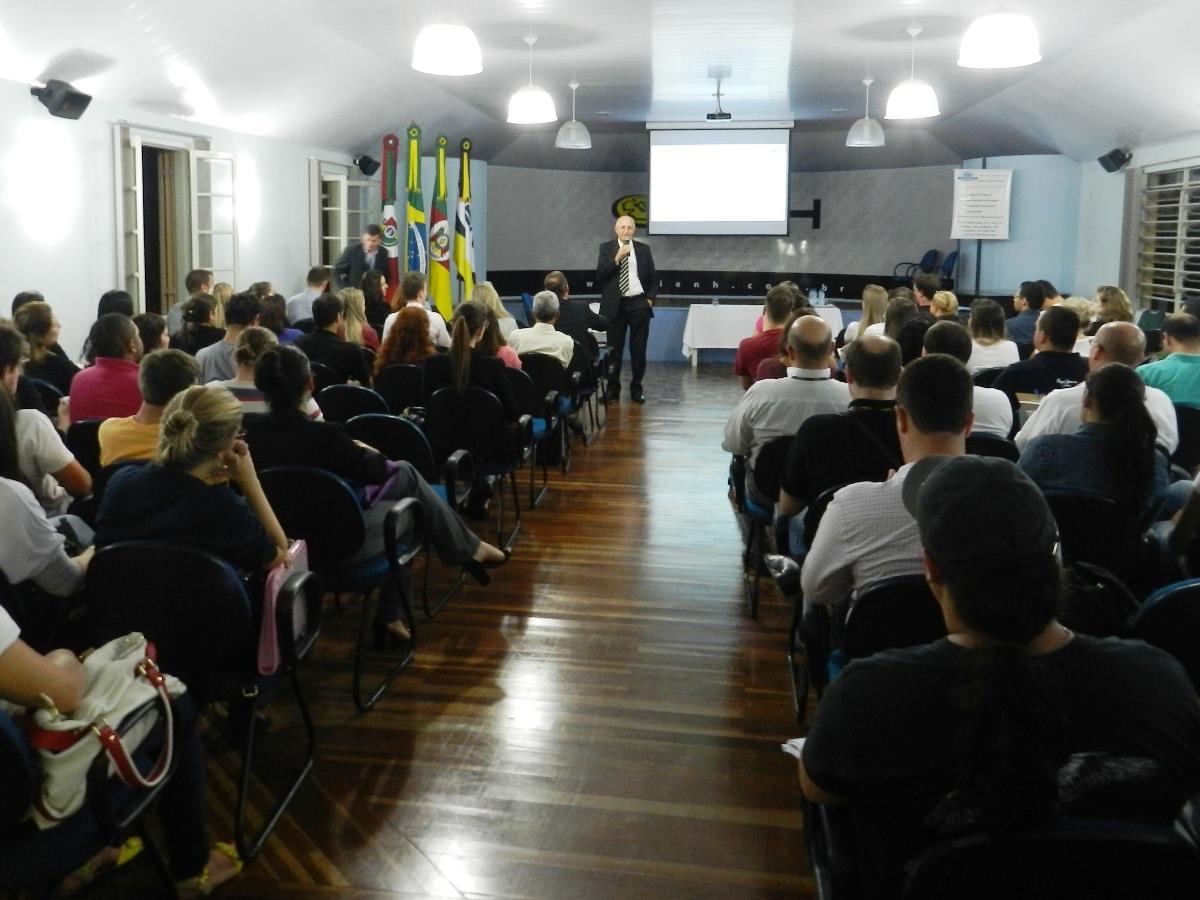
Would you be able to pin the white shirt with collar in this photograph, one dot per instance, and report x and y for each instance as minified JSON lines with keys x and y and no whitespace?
{"x":1061,"y":412}
{"x":299,"y":306}
{"x":437,"y":325}
{"x":635,"y":283}
{"x":866,"y":536}
{"x":777,"y":407}
{"x":542,"y":337}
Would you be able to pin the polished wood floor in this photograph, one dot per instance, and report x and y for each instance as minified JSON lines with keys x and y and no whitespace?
{"x":604,"y":720}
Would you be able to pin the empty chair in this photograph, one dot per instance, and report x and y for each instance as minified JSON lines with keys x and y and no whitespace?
{"x":402,"y":386}
{"x":342,"y":402}
{"x":1170,"y":620}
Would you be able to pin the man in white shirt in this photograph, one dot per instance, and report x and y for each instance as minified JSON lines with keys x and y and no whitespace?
{"x":867,"y":535}
{"x":542,"y":337}
{"x":412,"y":289}
{"x":993,"y":412}
{"x":777,"y":407}
{"x":299,"y":306}
{"x":1060,"y":412}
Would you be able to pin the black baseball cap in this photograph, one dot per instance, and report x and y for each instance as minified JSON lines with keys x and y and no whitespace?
{"x":979,"y":515}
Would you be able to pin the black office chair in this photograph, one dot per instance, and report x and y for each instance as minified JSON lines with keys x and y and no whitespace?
{"x":898,"y":612}
{"x":196,"y":610}
{"x":589,"y":391}
{"x":1099,"y":531}
{"x":323,"y":377}
{"x":544,"y":420}
{"x":50,"y":395}
{"x":402,"y":386}
{"x":903,"y":273}
{"x":1024,"y":351}
{"x":342,"y":402}
{"x":1187,"y":454}
{"x":400,"y":439}
{"x":83,"y":440}
{"x":987,"y":377}
{"x":1170,"y":620}
{"x":768,"y":468}
{"x":473,"y":419}
{"x":323,"y":510}
{"x":548,"y":375}
{"x":982,"y":444}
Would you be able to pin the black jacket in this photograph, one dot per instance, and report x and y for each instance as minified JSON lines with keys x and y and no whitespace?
{"x":608,"y":275}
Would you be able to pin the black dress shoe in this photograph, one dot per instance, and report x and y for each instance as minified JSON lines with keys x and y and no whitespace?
{"x":638,"y":396}
{"x":613,"y":393}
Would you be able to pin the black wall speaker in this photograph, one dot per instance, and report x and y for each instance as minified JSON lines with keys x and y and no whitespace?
{"x":366,"y":165}
{"x":1115,"y":160}
{"x":61,"y":99}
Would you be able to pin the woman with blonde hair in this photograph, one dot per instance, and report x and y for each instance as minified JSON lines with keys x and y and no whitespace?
{"x":354,"y":312}
{"x":944,"y":305}
{"x":408,"y":341}
{"x":486,"y":294}
{"x":874,"y":306}
{"x":37,"y":321}
{"x":221,"y":293}
{"x":1112,"y":306}
{"x":1086,"y":310}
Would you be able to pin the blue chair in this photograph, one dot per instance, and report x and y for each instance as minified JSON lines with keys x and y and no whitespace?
{"x":1170,"y":620}
{"x":903,"y":273}
{"x":544,"y":420}
{"x":197,"y":611}
{"x":323,"y":510}
{"x":400,"y":439}
{"x":527,"y":302}
{"x":342,"y":402}
{"x":757,"y":518}
{"x":947,"y":269}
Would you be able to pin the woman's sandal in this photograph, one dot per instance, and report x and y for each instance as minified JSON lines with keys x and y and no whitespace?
{"x":204,"y":884}
{"x":107,"y":860}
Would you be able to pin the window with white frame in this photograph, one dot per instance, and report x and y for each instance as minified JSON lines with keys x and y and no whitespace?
{"x":342,"y":207}
{"x":1168,"y":263}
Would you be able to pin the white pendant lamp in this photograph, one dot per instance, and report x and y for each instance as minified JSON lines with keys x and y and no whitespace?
{"x":573,"y":135}
{"x":912,"y":99}
{"x":447,"y":50}
{"x":1000,"y":41}
{"x":866,"y":132}
{"x":531,"y":105}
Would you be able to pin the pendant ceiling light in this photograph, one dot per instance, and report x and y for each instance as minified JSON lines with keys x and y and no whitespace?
{"x":531,"y":105}
{"x":1000,"y":41}
{"x":447,"y":50}
{"x":866,"y":132}
{"x":912,"y":99}
{"x":573,"y":135}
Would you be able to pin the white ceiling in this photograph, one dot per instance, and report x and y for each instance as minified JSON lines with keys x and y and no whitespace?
{"x":336,"y":75}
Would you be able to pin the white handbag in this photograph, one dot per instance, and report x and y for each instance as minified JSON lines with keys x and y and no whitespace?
{"x":122,"y":676}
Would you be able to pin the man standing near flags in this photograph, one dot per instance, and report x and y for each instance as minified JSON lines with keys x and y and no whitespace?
{"x":362,"y":257}
{"x":628,"y":281}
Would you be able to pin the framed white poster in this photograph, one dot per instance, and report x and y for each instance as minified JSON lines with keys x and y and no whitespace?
{"x":982,"y":199}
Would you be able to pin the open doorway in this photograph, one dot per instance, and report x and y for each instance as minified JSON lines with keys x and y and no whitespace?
{"x":164,"y":230}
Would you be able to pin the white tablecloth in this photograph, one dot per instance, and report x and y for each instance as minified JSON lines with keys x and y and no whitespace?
{"x":723,"y":327}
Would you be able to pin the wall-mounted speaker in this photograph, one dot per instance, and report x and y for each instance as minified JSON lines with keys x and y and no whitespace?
{"x":366,"y":165}
{"x":61,"y":99}
{"x":1115,"y":160}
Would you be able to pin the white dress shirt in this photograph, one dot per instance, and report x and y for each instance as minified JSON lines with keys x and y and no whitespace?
{"x":777,"y":407}
{"x":1061,"y":412}
{"x":542,"y":337}
{"x":437,"y":325}
{"x":635,"y":283}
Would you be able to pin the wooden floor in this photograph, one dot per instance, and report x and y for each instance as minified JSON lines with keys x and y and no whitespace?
{"x":604,"y":720}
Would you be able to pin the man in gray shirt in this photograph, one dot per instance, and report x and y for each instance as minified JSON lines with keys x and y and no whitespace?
{"x":299,"y":307}
{"x":216,"y":360}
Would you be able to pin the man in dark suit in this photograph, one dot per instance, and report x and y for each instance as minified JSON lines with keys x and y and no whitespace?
{"x":628,"y":282}
{"x":324,"y":346}
{"x":575,"y":317}
{"x":367,"y":254}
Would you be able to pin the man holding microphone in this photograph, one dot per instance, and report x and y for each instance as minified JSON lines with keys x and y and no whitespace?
{"x":627,"y":279}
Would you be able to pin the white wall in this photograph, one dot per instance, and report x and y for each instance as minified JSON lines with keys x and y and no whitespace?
{"x":1101,"y":215}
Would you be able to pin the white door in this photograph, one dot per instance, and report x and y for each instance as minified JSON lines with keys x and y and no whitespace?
{"x":214,"y":228}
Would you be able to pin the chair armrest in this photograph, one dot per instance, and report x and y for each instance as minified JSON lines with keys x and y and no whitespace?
{"x":524,"y":435}
{"x":403,"y":544}
{"x":550,"y":408}
{"x":458,"y":474}
{"x":737,"y":474}
{"x":304,"y":590}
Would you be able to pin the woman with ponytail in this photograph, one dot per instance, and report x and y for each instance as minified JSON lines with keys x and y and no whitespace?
{"x":287,"y":436}
{"x":1112,"y":454}
{"x":1011,"y":720}
{"x":464,"y":366}
{"x":182,"y":495}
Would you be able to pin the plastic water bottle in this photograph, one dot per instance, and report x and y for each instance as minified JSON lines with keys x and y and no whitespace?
{"x":812,"y":297}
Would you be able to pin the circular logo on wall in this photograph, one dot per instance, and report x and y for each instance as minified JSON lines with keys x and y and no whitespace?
{"x":635,"y":206}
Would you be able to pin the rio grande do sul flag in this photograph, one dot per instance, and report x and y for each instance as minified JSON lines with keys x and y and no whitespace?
{"x":415,"y":213}
{"x":439,"y":239}
{"x":464,"y":242}
{"x":391,"y":231}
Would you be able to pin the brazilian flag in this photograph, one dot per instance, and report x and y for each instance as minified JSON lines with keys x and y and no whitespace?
{"x":417,"y":261}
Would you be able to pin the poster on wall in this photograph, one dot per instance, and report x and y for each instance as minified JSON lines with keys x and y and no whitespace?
{"x":982,"y":199}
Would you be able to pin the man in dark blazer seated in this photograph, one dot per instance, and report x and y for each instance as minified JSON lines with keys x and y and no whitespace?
{"x":367,"y":254}
{"x":575,"y":317}
{"x":628,"y":282}
{"x":324,"y":345}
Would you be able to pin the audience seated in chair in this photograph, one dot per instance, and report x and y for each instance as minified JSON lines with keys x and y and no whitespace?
{"x":407,"y":342}
{"x":47,"y":360}
{"x":47,"y":466}
{"x":108,"y":387}
{"x":778,"y":407}
{"x":464,"y":365}
{"x":575,"y":317}
{"x":1027,"y":301}
{"x":287,"y":436}
{"x":874,"y":308}
{"x":1056,"y":365}
{"x":1060,"y":411}
{"x":1112,"y":455}
{"x":765,"y":345}
{"x":924,"y":286}
{"x":486,"y":294}
{"x":273,"y":316}
{"x":990,"y":346}
{"x":542,"y":337}
{"x":161,"y":375}
{"x":1005,"y":724}
{"x":358,"y":329}
{"x":316,"y":283}
{"x":196,"y":282}
{"x":993,"y":413}
{"x":413,"y":296}
{"x":252,"y":343}
{"x":867,"y":535}
{"x":198,"y":330}
{"x":325,"y":346}
{"x":493,"y":343}
{"x":1112,"y":305}
{"x":1178,"y":375}
{"x":216,"y":360}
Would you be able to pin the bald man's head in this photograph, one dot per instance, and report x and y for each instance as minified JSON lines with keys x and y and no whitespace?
{"x":1121,"y":342}
{"x":624,"y":228}
{"x":811,"y":342}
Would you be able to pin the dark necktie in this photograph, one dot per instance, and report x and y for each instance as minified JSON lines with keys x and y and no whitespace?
{"x":623,"y":276}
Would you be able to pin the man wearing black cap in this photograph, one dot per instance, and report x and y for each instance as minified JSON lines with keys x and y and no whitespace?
{"x":1012,"y":718}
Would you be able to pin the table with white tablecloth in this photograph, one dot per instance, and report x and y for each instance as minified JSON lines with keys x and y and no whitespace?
{"x":722,"y":327}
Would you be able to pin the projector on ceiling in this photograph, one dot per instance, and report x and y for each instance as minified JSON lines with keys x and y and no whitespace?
{"x":719,"y":116}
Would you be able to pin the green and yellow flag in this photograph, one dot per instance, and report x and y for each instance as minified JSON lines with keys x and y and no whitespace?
{"x":464,"y":243}
{"x":439,"y":240}
{"x":415,"y":214}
